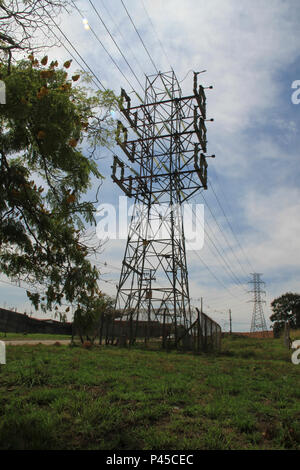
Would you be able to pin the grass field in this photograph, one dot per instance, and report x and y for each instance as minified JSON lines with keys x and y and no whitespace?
{"x":62,"y":397}
{"x":29,"y":336}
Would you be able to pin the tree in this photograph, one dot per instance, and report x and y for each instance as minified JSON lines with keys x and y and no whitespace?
{"x":91,"y":316}
{"x":45,"y":172}
{"x":27,"y":25}
{"x":286,"y":308}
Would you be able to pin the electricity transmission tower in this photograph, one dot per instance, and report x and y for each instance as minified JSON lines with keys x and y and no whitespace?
{"x":258,"y":322}
{"x":165,"y":144}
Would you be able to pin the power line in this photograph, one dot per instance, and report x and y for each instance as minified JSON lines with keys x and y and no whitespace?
{"x":141,"y":39}
{"x":142,"y":87}
{"x":234,"y":276}
{"x":105,"y":49}
{"x":134,"y":90}
{"x":89,"y":68}
{"x":229,"y":224}
{"x":223,"y":234}
{"x":227,"y":267}
{"x":73,"y":47}
{"x":27,"y":288}
{"x":155,"y":33}
{"x":236,"y":279}
{"x":213,"y":274}
{"x":122,"y":36}
{"x":218,"y":280}
{"x":116,"y":44}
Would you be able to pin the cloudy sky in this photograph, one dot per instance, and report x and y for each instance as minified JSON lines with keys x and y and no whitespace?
{"x":250,"y":51}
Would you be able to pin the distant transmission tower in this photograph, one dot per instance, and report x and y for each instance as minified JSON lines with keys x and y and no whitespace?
{"x":258,"y":322}
{"x":166,"y":167}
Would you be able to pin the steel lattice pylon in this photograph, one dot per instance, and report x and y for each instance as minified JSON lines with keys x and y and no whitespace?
{"x":258,"y":322}
{"x":165,"y":145}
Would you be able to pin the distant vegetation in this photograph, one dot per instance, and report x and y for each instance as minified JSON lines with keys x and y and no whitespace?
{"x":286,"y":308}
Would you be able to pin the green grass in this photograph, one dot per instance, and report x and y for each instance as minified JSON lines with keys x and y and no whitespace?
{"x":31,"y":336}
{"x":62,"y":397}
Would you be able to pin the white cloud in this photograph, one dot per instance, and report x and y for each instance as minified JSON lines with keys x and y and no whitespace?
{"x":276,"y":218}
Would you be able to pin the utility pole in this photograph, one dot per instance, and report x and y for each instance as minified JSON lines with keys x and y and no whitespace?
{"x":230,"y":322}
{"x":199,"y":332}
{"x":166,"y":146}
{"x":258,"y":323}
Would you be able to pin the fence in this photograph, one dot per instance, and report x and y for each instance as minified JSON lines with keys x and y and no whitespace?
{"x":204,"y":334}
{"x":13,"y":322}
{"x":128,"y":331}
